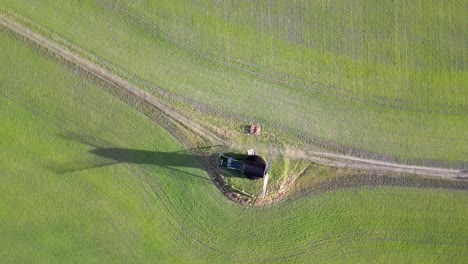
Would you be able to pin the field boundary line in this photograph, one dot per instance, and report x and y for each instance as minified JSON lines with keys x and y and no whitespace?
{"x":326,"y":158}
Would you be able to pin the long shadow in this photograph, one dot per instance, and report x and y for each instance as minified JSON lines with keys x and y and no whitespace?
{"x":102,"y":157}
{"x":103,"y":154}
{"x":135,"y":156}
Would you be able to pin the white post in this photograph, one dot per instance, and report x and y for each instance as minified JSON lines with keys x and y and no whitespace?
{"x":265,"y":182}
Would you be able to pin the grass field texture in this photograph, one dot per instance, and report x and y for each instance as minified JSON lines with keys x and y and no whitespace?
{"x":381,"y":80}
{"x":85,"y":178}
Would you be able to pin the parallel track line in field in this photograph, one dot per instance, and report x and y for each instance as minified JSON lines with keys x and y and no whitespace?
{"x":272,"y":75}
{"x":326,"y":158}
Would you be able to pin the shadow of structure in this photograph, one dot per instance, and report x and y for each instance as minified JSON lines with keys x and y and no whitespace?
{"x":104,"y":154}
{"x":102,"y":157}
{"x":245,"y":128}
{"x":135,"y":156}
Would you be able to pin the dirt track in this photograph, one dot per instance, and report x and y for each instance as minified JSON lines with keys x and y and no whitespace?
{"x":327,"y":158}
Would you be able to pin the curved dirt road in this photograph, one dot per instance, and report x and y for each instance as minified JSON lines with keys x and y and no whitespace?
{"x":326,"y":158}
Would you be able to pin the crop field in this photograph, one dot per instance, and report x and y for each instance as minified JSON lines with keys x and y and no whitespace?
{"x":386,"y":81}
{"x":91,"y":175}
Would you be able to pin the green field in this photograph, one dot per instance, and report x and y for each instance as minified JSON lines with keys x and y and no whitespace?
{"x":85,"y":177}
{"x":385,"y":81}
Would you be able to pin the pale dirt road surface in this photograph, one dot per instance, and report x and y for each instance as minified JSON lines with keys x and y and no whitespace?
{"x":326,"y":158}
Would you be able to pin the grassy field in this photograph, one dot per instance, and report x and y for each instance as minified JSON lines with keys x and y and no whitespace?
{"x":86,"y":178}
{"x":386,"y":81}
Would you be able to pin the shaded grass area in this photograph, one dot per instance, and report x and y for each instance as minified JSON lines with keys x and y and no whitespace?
{"x":384,"y":109}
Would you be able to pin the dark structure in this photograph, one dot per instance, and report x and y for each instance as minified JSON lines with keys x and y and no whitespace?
{"x":253,"y":166}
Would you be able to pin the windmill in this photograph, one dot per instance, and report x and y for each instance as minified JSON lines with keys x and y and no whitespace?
{"x":253,"y":166}
{"x":266,"y":173}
